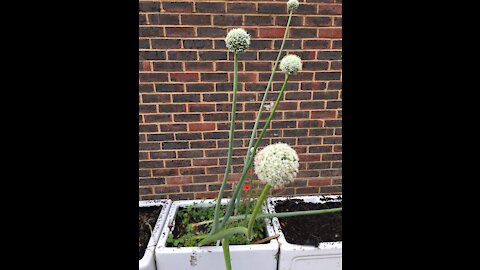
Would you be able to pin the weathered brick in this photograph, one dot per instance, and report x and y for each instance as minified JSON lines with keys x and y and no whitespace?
{"x":160,"y":137}
{"x":194,"y":188}
{"x":152,"y":55}
{"x":167,"y":189}
{"x":167,"y":66}
{"x":318,"y":21}
{"x":186,"y":98}
{"x":177,"y":163}
{"x":272,"y":8}
{"x":188,"y":136}
{"x":214,"y":77}
{"x":163,"y":19}
{"x":148,"y":6}
{"x":330,"y":9}
{"x":173,"y":127}
{"x":212,"y":55}
{"x":203,"y":144}
{"x":197,"y":44}
{"x":201,"y":126}
{"x":210,"y":7}
{"x":166,"y":44}
{"x":179,"y":31}
{"x":165,"y":108}
{"x":163,"y":155}
{"x":302,"y":33}
{"x":205,"y":162}
{"x":272,"y":32}
{"x":329,"y":55}
{"x":198,"y":66}
{"x":227,"y":20}
{"x":329,"y":32}
{"x":258,"y":20}
{"x":241,"y":8}
{"x":163,"y":87}
{"x":195,"y":19}
{"x":155,"y":98}
{"x":201,"y":107}
{"x":184,"y":77}
{"x":178,"y":6}
{"x":324,"y":114}
{"x":186,"y":117}
{"x":151,"y":31}
{"x":211,"y":32}
{"x":182,"y":55}
{"x":282,"y":21}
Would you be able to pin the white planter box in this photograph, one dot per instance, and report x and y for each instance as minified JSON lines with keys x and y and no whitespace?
{"x":243,"y":257}
{"x":148,"y":260}
{"x":327,"y":256}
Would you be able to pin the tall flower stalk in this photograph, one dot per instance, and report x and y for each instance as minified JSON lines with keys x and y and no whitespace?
{"x":237,"y":41}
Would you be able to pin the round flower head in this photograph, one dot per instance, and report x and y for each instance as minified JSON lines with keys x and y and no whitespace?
{"x":276,"y":164}
{"x":291,"y":64}
{"x":237,"y":40}
{"x":292,"y":5}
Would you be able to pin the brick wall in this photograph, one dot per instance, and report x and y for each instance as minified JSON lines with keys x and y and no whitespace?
{"x":185,"y":93}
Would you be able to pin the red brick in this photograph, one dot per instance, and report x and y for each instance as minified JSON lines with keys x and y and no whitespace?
{"x":319,"y":182}
{"x":179,"y":180}
{"x":201,"y":126}
{"x":324,"y":114}
{"x":205,"y":162}
{"x":179,"y":31}
{"x":272,"y":32}
{"x":178,"y":7}
{"x":329,"y":32}
{"x":330,"y":9}
{"x":184,"y":77}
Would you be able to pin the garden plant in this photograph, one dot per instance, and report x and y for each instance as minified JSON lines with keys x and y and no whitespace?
{"x":275,"y":166}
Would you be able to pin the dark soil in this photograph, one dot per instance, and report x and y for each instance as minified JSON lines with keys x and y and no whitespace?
{"x":313,"y":229}
{"x":146,"y":215}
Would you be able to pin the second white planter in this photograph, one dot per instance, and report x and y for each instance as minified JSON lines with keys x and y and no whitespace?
{"x":327,"y":256}
{"x":243,"y":257}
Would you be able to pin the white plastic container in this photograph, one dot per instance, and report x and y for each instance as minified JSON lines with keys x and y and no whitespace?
{"x":327,"y":256}
{"x":148,"y":260}
{"x":243,"y":257}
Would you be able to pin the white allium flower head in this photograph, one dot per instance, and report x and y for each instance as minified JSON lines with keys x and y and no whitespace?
{"x":292,"y":5}
{"x":291,"y":64}
{"x":276,"y":164}
{"x":237,"y":40}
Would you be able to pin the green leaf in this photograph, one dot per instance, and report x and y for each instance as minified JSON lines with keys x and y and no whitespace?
{"x":223,"y":234}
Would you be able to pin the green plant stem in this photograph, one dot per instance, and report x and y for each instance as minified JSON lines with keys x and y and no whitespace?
{"x":257,"y":208}
{"x":272,"y":215}
{"x":226,"y":253}
{"x":250,"y":178}
{"x":249,"y":161}
{"x":257,"y":120}
{"x":223,"y":234}
{"x":230,"y":144}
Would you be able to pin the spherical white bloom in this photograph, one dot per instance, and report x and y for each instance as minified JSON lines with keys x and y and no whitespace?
{"x":292,"y":5}
{"x":276,"y":164}
{"x":291,"y":64}
{"x":237,"y":40}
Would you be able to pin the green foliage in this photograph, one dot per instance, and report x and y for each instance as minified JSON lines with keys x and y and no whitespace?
{"x":185,"y":235}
